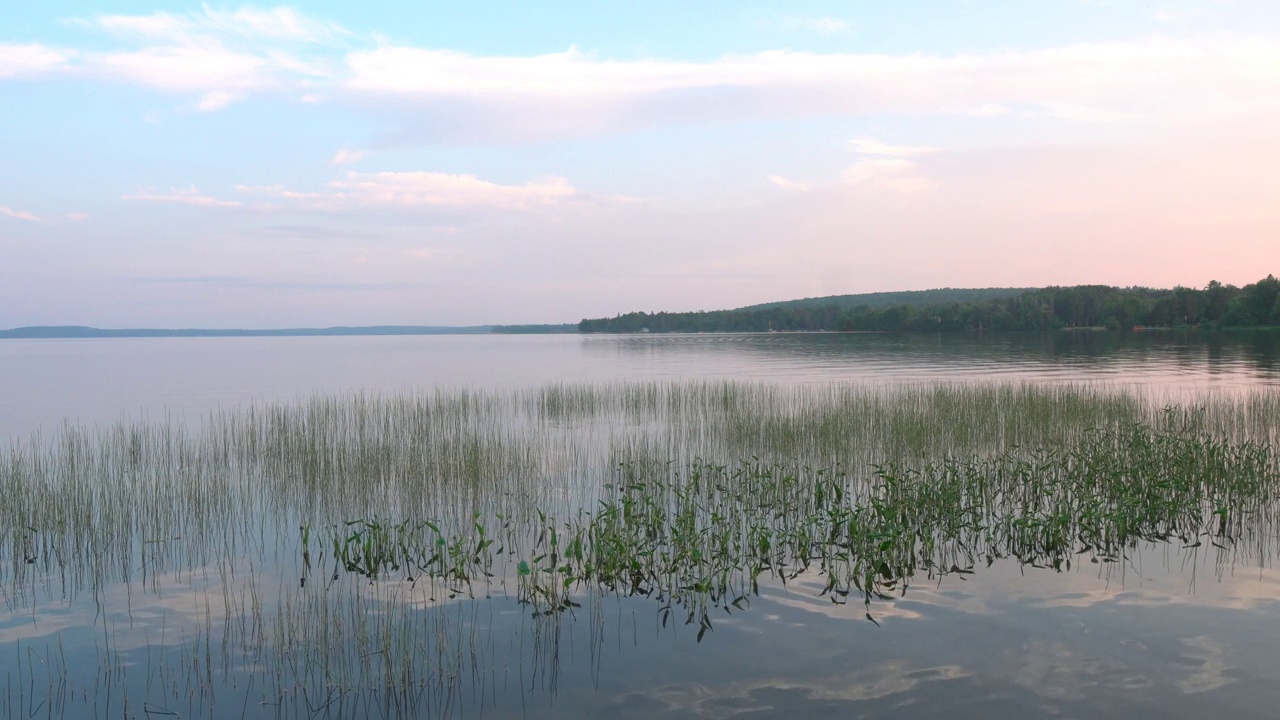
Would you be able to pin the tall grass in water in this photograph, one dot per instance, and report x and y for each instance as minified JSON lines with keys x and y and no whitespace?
{"x":93,"y":506}
{"x":346,"y":531}
{"x":704,"y":535}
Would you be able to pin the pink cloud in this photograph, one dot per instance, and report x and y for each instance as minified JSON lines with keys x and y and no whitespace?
{"x":424,"y":190}
{"x":20,"y":215}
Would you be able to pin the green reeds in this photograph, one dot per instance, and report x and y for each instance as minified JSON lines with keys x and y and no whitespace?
{"x":705,"y":536}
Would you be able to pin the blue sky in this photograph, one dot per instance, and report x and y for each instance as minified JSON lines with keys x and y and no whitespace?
{"x":185,"y":164}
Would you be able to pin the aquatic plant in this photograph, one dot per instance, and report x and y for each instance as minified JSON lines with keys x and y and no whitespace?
{"x":704,"y":536}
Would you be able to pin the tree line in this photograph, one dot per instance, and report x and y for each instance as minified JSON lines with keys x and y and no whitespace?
{"x":1052,"y":308}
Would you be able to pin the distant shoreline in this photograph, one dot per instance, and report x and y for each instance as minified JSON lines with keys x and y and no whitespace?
{"x":74,"y":332}
{"x":90,"y":333}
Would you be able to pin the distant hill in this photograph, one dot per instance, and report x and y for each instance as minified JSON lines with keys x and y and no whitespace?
{"x":913,"y":298}
{"x":948,"y":309}
{"x":80,"y":331}
{"x":535,"y":329}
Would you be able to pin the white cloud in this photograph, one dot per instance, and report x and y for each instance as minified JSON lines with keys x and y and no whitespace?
{"x":879,"y":165}
{"x":30,"y":59}
{"x":77,"y":216}
{"x":1161,"y":80}
{"x":410,"y":189}
{"x":886,"y":166}
{"x":885,"y":82}
{"x":20,"y":215}
{"x":206,"y":66}
{"x":217,"y":56}
{"x":898,"y":174}
{"x":346,"y":157}
{"x":423,"y":190}
{"x":183,"y":196}
{"x":790,"y":185}
{"x":415,"y":71}
{"x":279,"y":191}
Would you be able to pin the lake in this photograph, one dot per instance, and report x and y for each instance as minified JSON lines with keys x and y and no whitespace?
{"x":350,"y":526}
{"x":47,"y":381}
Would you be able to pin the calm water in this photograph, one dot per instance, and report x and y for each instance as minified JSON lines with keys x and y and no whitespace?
{"x":1171,"y":632}
{"x":43,"y":382}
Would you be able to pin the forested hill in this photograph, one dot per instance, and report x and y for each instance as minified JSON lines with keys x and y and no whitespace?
{"x":943,"y":296}
{"x":1052,"y":308}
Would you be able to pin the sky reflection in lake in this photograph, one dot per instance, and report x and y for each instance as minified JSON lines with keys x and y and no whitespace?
{"x":101,"y":380}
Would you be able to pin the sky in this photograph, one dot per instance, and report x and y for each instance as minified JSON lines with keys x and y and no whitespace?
{"x":177,"y":164}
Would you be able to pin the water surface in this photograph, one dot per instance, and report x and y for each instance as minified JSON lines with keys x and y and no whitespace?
{"x":198,"y":622}
{"x":43,"y":382}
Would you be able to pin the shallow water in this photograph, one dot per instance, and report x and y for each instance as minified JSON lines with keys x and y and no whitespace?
{"x":1168,"y":631}
{"x":1013,"y":642}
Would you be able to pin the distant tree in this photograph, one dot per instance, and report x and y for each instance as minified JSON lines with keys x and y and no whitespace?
{"x":1045,"y":309}
{"x":1255,"y":304}
{"x":1217,"y":298}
